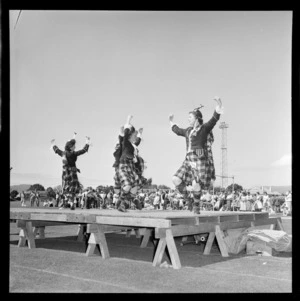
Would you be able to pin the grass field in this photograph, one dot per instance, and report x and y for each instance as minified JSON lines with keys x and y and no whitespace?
{"x":59,"y":264}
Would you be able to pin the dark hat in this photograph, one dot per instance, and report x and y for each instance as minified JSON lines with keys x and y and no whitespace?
{"x":197,"y":112}
{"x":70,"y":144}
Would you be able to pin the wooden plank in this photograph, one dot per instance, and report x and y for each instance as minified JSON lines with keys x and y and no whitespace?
{"x":219,"y":236}
{"x":107,"y":228}
{"x":98,"y":238}
{"x":268,"y":221}
{"x":146,"y":237}
{"x":21,"y":223}
{"x":232,"y":218}
{"x":184,"y":221}
{"x":30,"y":235}
{"x":19,"y":215}
{"x":80,"y":218}
{"x":279,"y":224}
{"x":208,"y":219}
{"x":261,"y":215}
{"x":246,"y":217}
{"x":80,"y":234}
{"x":137,"y":233}
{"x":102,"y":242}
{"x":35,"y":231}
{"x":129,"y":221}
{"x":91,"y":246}
{"x":234,"y":225}
{"x":209,"y":243}
{"x":49,"y":217}
{"x":185,"y":230}
{"x":22,"y":238}
{"x":159,"y":251}
{"x":172,"y":250}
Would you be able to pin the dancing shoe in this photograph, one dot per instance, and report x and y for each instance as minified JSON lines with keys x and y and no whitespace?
{"x":122,"y":207}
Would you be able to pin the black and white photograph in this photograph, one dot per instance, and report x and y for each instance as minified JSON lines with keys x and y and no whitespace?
{"x":150,"y":151}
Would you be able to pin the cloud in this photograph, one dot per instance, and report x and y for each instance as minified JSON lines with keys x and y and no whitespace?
{"x":285,"y":160}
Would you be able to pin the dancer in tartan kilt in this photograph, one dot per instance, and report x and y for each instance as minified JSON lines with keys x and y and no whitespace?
{"x":197,"y":169}
{"x":117,"y":154}
{"x":70,"y":182}
{"x":130,"y":167}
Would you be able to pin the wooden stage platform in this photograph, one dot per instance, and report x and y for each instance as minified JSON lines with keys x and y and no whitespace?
{"x":162,"y":226}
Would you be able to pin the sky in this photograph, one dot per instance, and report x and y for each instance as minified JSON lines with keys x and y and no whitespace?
{"x":86,"y":71}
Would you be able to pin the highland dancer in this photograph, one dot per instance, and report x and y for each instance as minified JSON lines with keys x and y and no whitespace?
{"x":70,"y":182}
{"x":129,"y":167}
{"x":197,"y":170}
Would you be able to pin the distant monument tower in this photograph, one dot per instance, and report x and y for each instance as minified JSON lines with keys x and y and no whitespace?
{"x":224,"y":173}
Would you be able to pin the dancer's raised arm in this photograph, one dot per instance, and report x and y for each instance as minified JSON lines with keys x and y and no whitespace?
{"x":175,"y":128}
{"x":55,"y":148}
{"x":139,"y":137}
{"x":85,"y":148}
{"x":219,"y":109}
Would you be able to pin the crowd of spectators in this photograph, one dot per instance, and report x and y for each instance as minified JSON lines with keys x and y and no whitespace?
{"x":170,"y":199}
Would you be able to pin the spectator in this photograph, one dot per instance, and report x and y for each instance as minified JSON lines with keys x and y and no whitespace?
{"x":288,"y":202}
{"x":266,"y":202}
{"x":277,"y":204}
{"x":258,"y":203}
{"x":57,"y":199}
{"x":248,"y":201}
{"x":243,"y":200}
{"x":115,"y":200}
{"x":156,"y":201}
{"x":22,"y":195}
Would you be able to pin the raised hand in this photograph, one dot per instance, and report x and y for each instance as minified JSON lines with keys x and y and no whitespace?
{"x":129,"y":119}
{"x":52,"y":141}
{"x":141,"y":130}
{"x":74,"y":135}
{"x":219,"y":107}
{"x":171,"y":117}
{"x":218,"y":100}
{"x":122,"y":130}
{"x":87,"y":140}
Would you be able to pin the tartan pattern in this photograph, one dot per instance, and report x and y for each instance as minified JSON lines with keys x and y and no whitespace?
{"x":127,"y":174}
{"x":140,"y":165}
{"x":70,"y":182}
{"x":196,"y":168}
{"x":117,"y":179}
{"x":209,"y":155}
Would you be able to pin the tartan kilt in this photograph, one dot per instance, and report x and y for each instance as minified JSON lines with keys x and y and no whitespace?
{"x":70,"y":182}
{"x":140,"y":165}
{"x":128,"y":174}
{"x":201,"y":169}
{"x":117,"y":178}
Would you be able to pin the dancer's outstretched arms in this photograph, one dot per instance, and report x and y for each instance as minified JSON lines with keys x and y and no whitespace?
{"x":127,"y":127}
{"x":175,"y":128}
{"x":121,"y":135}
{"x":216,"y":116}
{"x":55,"y":148}
{"x":85,"y":148}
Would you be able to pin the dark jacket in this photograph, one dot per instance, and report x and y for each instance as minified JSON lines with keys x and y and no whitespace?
{"x":127,"y":147}
{"x":118,"y":152}
{"x":198,"y":141}
{"x":70,"y":157}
